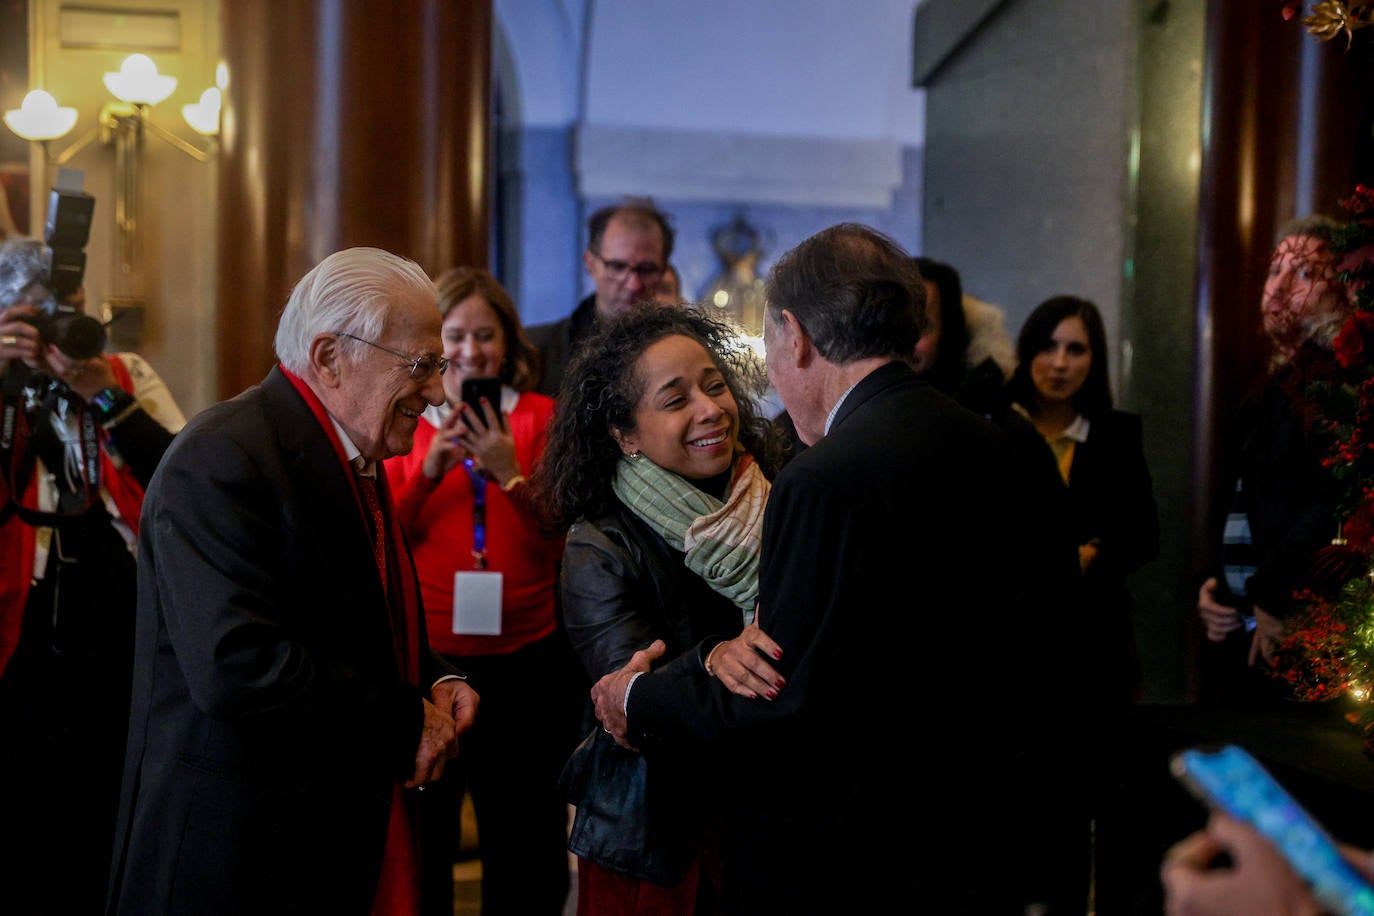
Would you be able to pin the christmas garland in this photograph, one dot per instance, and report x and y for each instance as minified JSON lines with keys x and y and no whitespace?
{"x":1328,"y":650}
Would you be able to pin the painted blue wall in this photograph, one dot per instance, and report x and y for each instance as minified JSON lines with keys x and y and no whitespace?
{"x":796,"y":115}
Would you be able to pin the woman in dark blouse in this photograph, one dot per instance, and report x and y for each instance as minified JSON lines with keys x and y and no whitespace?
{"x":1061,"y":383}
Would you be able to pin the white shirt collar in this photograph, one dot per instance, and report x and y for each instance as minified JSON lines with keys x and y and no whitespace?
{"x":830,"y":417}
{"x":351,"y":452}
{"x":1077,"y":430}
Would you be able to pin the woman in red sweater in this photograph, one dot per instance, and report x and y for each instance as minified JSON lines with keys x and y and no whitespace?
{"x":489,"y":582}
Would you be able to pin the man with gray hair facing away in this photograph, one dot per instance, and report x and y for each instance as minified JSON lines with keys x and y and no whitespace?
{"x":884,"y":745}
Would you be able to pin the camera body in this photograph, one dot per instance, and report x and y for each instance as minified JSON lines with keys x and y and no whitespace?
{"x":71,"y":330}
{"x":65,"y":233}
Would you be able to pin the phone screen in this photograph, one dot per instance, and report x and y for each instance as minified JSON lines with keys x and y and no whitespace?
{"x":1229,"y":779}
{"x":474,"y":389}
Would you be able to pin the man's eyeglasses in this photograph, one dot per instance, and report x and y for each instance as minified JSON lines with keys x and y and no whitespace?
{"x":647,"y":271}
{"x":421,"y":367}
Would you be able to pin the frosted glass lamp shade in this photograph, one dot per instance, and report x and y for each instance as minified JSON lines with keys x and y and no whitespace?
{"x":138,"y":81}
{"x":39,"y":117}
{"x":203,"y":116}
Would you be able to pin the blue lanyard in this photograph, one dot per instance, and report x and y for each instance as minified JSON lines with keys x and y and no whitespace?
{"x":479,"y":513}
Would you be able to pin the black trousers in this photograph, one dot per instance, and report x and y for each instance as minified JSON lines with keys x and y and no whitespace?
{"x":64,"y":717}
{"x":529,"y":721}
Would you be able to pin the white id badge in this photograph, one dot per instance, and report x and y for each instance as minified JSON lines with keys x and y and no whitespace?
{"x":477,"y":603}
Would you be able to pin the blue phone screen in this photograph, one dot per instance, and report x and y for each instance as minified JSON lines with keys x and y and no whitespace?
{"x":1239,"y":785}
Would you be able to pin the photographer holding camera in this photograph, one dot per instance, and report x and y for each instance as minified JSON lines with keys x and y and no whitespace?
{"x":81,"y":433}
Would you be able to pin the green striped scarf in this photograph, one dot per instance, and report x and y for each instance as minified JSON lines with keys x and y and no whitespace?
{"x":720,"y":538}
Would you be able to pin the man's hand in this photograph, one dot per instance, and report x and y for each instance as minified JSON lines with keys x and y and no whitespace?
{"x":608,"y":694}
{"x":1268,"y":634}
{"x":459,"y":699}
{"x":438,"y":745}
{"x":1257,"y":881}
{"x":19,"y":339}
{"x":1218,"y":619}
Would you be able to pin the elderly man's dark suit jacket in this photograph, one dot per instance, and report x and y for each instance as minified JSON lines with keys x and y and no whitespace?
{"x":890,"y":763}
{"x":269,"y":719}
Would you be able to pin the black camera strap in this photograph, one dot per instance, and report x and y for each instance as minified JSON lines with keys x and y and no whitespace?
{"x":24,"y":435}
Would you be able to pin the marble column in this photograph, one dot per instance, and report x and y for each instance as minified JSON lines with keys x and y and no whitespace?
{"x":345,"y":123}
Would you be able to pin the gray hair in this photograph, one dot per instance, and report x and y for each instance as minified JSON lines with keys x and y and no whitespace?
{"x":854,"y":291}
{"x":348,"y":292}
{"x":1316,"y":226}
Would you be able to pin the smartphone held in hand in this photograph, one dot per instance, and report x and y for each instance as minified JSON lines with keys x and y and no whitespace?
{"x":1228,"y":779}
{"x":474,"y":389}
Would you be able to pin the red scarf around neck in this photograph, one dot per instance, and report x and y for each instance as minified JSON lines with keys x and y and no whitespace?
{"x":398,"y":887}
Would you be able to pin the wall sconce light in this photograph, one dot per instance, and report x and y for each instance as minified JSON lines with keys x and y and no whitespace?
{"x":137,"y":87}
{"x":40,"y":118}
{"x":203,"y":116}
{"x":122,"y":123}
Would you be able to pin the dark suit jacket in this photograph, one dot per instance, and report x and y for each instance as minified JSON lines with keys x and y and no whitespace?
{"x":1291,"y":501}
{"x":888,"y":580}
{"x":269,"y":719}
{"x":1292,"y":498}
{"x":558,"y":340}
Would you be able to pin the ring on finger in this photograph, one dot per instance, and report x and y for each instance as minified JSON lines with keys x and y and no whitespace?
{"x":9,"y":340}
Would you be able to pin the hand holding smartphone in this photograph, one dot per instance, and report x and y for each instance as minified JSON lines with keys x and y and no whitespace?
{"x":1230,"y":780}
{"x":474,"y":389}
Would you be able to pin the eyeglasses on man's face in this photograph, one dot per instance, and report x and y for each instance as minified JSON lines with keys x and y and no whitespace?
{"x":421,"y":367}
{"x":647,"y":271}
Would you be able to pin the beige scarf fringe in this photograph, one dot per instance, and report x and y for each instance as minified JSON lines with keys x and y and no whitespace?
{"x":720,"y":538}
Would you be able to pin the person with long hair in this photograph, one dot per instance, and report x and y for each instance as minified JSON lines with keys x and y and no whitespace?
{"x":1061,"y":382}
{"x":657,"y":466}
{"x":463,"y":499}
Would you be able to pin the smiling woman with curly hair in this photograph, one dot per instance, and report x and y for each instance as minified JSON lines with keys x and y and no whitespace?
{"x":657,"y":465}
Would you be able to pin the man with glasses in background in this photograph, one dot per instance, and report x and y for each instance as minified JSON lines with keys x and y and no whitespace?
{"x":286,"y":706}
{"x":628,"y":246}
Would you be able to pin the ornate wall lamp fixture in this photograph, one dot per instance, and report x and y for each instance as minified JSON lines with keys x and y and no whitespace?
{"x":137,"y":87}
{"x":122,"y":123}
